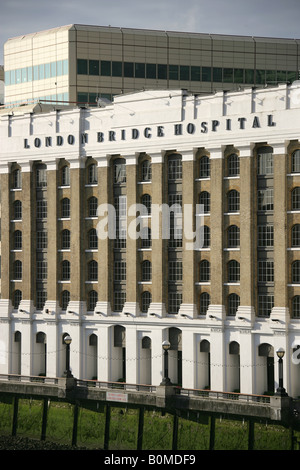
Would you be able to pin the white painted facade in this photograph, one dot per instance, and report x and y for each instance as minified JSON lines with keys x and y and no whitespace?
{"x":135,"y":123}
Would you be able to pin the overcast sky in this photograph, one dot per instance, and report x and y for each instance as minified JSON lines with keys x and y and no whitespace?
{"x":271,"y":18}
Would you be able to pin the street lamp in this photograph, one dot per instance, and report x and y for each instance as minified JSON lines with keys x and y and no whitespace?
{"x":280,"y":390}
{"x":68,"y":341}
{"x":166,"y":346}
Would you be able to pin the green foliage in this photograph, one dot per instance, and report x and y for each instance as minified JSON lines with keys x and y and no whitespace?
{"x":157,"y":431}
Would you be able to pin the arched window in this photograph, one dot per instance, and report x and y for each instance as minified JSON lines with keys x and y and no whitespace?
{"x":17,"y":270}
{"x":92,"y":239}
{"x":65,"y":208}
{"x":146,"y":301}
{"x":296,"y":272}
{"x":17,"y":210}
{"x":233,"y":271}
{"x":204,"y":303}
{"x":296,"y":161}
{"x":233,"y":165}
{"x":17,"y":297}
{"x":65,"y":176}
{"x":204,"y":199}
{"x":233,"y":304}
{"x":204,"y":167}
{"x":233,"y":236}
{"x":65,"y":270}
{"x":146,"y":202}
{"x":296,"y":235}
{"x":17,"y":179}
{"x":65,"y":299}
{"x":93,"y":271}
{"x":204,"y":271}
{"x":65,"y":239}
{"x":17,"y":240}
{"x":296,"y":199}
{"x":92,"y":206}
{"x":233,"y":199}
{"x":146,"y":271}
{"x":296,"y":306}
{"x":92,"y":176}
{"x":146,"y":170}
{"x":92,"y":300}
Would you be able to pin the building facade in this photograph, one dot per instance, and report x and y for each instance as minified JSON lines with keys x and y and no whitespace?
{"x":218,"y":276}
{"x":79,"y":63}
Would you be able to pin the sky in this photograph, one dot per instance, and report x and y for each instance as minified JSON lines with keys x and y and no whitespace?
{"x":266,"y":18}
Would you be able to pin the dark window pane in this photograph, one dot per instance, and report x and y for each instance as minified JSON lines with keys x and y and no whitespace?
{"x":271,"y":76}
{"x":82,"y":98}
{"x":106,"y":68}
{"x":94,"y":67}
{"x":291,"y":76}
{"x":195,"y":73}
{"x":162,"y":71}
{"x":238,"y":76}
{"x":228,"y":75}
{"x":217,"y":74}
{"x":150,"y":70}
{"x":139,"y":70}
{"x":184,"y":72}
{"x":249,"y":76}
{"x":117,"y":69}
{"x":82,"y":68}
{"x":173,"y":72}
{"x":206,"y":74}
{"x":128,"y":69}
{"x":260,"y":77}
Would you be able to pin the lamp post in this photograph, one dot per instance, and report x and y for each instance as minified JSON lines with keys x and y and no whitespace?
{"x":68,"y":341}
{"x":280,"y":390}
{"x":166,"y":346}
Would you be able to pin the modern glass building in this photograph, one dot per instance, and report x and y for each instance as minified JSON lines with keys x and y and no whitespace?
{"x":80,"y":63}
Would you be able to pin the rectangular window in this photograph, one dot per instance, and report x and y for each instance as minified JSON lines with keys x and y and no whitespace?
{"x":93,"y":67}
{"x":7,"y":78}
{"x":59,"y":68}
{"x":217,"y":74}
{"x":41,"y":270}
{"x":260,"y":77}
{"x":35,"y":72}
{"x":24,"y":74}
{"x":266,"y":271}
{"x":18,"y":76}
{"x":195,"y":73}
{"x":175,"y":300}
{"x":139,"y":70}
{"x":12,"y":77}
{"x":47,"y":70}
{"x":151,"y":71}
{"x":41,"y":240}
{"x":265,"y":236}
{"x":41,"y":177}
{"x":175,"y":271}
{"x":173,"y":72}
{"x":228,"y":75}
{"x":120,"y":271}
{"x":184,"y":72}
{"x":265,"y":199}
{"x":41,"y":209}
{"x":53,"y":69}
{"x":41,"y":72}
{"x":238,"y":76}
{"x":65,"y":67}
{"x":175,"y":169}
{"x":265,"y":164}
{"x":106,"y":68}
{"x":206,"y":74}
{"x":82,"y":67}
{"x":265,"y":305}
{"x":162,"y":72}
{"x":41,"y":297}
{"x":29,"y":74}
{"x":249,"y":76}
{"x":117,"y":69}
{"x":128,"y":69}
{"x":119,"y":300}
